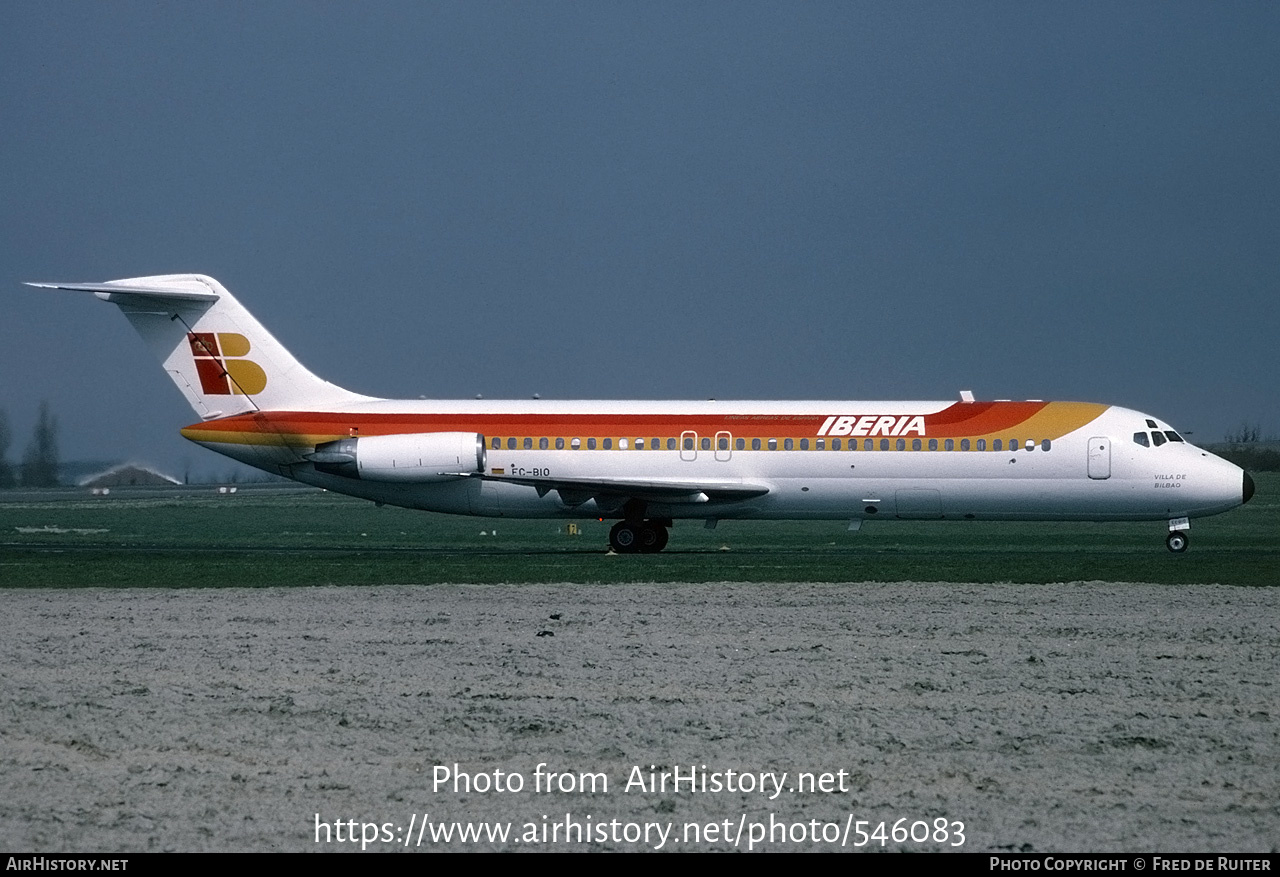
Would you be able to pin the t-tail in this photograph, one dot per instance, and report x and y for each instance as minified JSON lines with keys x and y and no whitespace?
{"x":220,"y":357}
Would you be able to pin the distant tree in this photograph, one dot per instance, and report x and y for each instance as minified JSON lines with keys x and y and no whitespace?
{"x":1245,"y":432}
{"x":6,"y":438}
{"x":40,"y":460}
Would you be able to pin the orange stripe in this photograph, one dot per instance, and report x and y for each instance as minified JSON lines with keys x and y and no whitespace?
{"x":1035,"y":420}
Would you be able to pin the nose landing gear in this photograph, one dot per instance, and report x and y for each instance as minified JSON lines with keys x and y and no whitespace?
{"x":1178,"y":539}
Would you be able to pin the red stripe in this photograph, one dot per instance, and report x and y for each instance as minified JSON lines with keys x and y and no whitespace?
{"x":960,"y":419}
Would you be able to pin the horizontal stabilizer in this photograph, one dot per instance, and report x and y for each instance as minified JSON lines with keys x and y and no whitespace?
{"x":113,"y":293}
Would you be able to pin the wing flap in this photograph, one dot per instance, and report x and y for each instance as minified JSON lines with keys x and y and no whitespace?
{"x":575,"y":491}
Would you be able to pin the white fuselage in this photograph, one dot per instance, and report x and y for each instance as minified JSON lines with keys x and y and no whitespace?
{"x":1093,"y":472}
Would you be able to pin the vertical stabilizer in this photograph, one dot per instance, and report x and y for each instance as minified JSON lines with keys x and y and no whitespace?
{"x":219,"y":356}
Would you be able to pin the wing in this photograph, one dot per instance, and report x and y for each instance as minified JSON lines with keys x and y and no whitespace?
{"x":611,"y":491}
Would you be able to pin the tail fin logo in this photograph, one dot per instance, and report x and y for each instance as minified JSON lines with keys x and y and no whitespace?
{"x":223,"y":370}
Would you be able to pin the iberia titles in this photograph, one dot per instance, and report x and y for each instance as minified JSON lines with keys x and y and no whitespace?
{"x":873,"y":424}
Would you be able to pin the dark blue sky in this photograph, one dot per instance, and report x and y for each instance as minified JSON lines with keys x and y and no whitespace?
{"x":651,"y":200}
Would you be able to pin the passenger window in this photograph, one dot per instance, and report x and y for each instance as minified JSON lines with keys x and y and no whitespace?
{"x":949,"y":444}
{"x":1173,"y":436}
{"x":835,"y":444}
{"x":902,"y":444}
{"x":528,"y":444}
{"x":964,"y":444}
{"x":1158,"y":439}
{"x":773,"y":444}
{"x":575,"y":444}
{"x":804,"y":444}
{"x":639,"y":444}
{"x":788,"y":444}
{"x":755,"y":444}
{"x":1046,"y":445}
{"x":591,"y":444}
{"x":997,"y":445}
{"x":656,"y":444}
{"x":688,"y":443}
{"x":981,"y":445}
{"x":608,"y":444}
{"x":722,"y":443}
{"x":511,"y":444}
{"x":560,"y":444}
{"x":819,"y":444}
{"x":706,"y":444}
{"x":671,"y":444}
{"x":740,"y":444}
{"x":543,"y":444}
{"x":884,"y":444}
{"x":496,"y":443}
{"x":1013,"y":444}
{"x":622,"y":444}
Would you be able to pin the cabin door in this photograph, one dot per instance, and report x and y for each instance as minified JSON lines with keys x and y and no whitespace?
{"x":724,"y":445}
{"x":688,"y":445}
{"x":1099,"y":458}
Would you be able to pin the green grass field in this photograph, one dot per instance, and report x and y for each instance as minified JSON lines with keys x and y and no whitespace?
{"x":263,"y":537}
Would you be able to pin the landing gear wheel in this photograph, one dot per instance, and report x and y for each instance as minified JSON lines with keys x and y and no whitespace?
{"x":625,"y":537}
{"x":1178,"y":541}
{"x":653,"y":537}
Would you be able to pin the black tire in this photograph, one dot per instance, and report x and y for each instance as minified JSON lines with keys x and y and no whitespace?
{"x":1178,"y":541}
{"x":663,"y":535}
{"x":653,"y":537}
{"x":625,"y":537}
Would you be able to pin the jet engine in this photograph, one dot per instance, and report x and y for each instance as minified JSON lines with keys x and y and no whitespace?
{"x":417,"y":457}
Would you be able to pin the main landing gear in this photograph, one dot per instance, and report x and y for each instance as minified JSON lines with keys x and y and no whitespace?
{"x":638,"y":537}
{"x":635,"y":534}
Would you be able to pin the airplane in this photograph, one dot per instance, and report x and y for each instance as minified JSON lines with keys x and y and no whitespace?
{"x":649,"y":463}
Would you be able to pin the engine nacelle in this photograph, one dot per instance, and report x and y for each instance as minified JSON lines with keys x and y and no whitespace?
{"x":417,"y":457}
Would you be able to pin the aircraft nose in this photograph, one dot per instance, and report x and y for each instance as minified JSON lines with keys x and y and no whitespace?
{"x":1248,"y":487}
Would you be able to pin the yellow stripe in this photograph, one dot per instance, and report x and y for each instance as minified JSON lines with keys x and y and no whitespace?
{"x":269,"y":439}
{"x":1053,"y":421}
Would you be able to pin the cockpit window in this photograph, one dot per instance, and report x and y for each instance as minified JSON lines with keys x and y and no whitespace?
{"x":1151,"y":423}
{"x":1158,"y":438}
{"x":1140,"y":438}
{"x":1173,"y":436}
